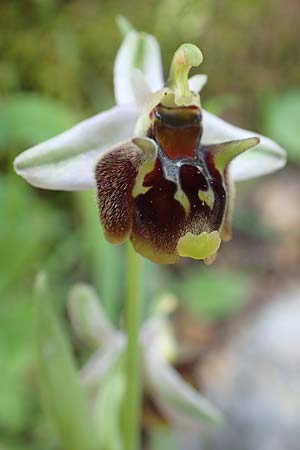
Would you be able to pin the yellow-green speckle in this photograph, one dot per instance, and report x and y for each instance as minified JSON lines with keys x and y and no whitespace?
{"x":199,"y":246}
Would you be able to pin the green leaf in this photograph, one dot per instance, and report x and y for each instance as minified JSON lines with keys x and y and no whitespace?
{"x":280,"y":118}
{"x":108,"y":406}
{"x":16,"y":362}
{"x":62,"y":395}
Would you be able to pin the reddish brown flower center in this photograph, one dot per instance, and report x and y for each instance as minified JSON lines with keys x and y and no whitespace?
{"x":177,"y":130}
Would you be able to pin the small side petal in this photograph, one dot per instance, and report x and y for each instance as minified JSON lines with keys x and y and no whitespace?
{"x":179,"y":400}
{"x":196,"y":82}
{"x":66,"y":162}
{"x":138,"y":51}
{"x":222,"y":154}
{"x":119,"y":175}
{"x":265,"y":158}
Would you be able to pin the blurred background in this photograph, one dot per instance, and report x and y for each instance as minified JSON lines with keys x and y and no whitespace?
{"x":238,"y":321}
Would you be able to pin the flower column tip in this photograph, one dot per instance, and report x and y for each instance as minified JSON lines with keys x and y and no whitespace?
{"x":185,"y":57}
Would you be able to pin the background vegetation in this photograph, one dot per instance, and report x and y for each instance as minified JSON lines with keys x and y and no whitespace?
{"x":56,"y":62}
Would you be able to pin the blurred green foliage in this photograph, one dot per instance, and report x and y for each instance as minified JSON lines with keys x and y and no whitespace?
{"x":211,"y":294}
{"x":63,"y":397}
{"x":280,"y":120}
{"x":27,"y":117}
{"x":56,"y":65}
{"x":162,"y":438}
{"x":16,"y":356}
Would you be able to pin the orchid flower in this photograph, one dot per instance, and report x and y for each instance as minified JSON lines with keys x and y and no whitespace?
{"x":161,"y":164}
{"x":175,"y":398}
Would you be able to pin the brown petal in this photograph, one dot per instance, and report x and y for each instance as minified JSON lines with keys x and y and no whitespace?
{"x":116,"y":175}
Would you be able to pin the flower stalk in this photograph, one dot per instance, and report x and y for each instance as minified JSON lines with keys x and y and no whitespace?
{"x":132,"y":403}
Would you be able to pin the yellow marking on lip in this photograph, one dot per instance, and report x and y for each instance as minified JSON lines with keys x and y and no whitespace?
{"x":199,"y":246}
{"x":181,"y":197}
{"x":207,"y":197}
{"x":149,"y":157}
{"x":138,"y":188}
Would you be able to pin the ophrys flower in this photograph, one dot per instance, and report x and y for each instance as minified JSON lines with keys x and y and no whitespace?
{"x":163,"y":174}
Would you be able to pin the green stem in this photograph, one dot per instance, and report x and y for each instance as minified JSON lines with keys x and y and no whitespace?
{"x":132,"y":405}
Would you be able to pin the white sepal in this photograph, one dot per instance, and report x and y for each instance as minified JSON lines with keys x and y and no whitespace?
{"x":67,"y":161}
{"x":138,"y":51}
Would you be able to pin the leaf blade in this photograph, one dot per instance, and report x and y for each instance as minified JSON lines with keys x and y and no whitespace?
{"x":62,"y":396}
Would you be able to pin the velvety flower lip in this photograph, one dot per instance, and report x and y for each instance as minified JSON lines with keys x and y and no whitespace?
{"x":163,"y":166}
